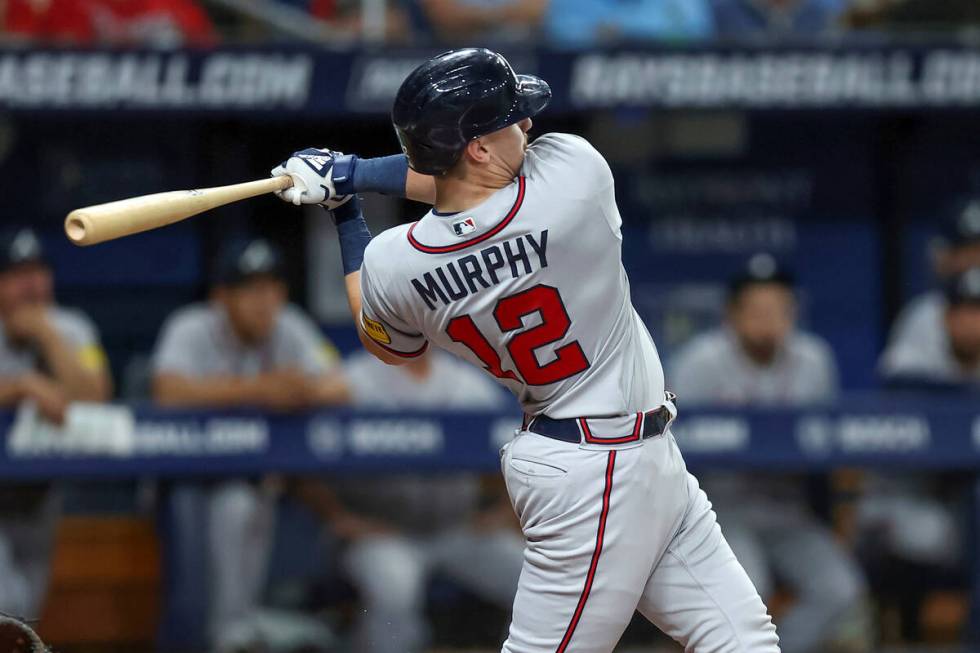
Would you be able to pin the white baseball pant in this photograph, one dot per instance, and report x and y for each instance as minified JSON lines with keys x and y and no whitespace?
{"x":614,"y":529}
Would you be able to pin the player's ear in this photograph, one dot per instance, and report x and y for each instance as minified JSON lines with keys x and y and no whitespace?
{"x":476,"y":151}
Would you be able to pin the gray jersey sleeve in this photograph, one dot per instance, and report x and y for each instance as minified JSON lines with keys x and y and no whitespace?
{"x":82,"y":335}
{"x":302,"y":346}
{"x":380,"y":319}
{"x":181,"y":344}
{"x":694,"y":370}
{"x":819,"y":371}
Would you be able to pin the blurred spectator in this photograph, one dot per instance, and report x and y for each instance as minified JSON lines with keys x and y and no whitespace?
{"x":161,"y":23}
{"x":958,"y":363}
{"x":919,"y":343}
{"x":760,"y":358}
{"x":402,"y":529}
{"x":746,"y":18}
{"x":246,"y":347}
{"x":468,"y":21}
{"x":50,"y":356}
{"x":584,"y":23}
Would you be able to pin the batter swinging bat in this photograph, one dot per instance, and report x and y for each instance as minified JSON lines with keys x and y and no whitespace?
{"x":102,"y":222}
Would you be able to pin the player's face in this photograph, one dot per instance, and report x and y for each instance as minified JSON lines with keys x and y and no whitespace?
{"x":253,"y":307}
{"x":30,"y":283}
{"x":762,"y":317}
{"x":508,"y":145}
{"x":963,"y":326}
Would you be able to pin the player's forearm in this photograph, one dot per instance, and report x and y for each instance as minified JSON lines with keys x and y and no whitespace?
{"x":76,"y":382}
{"x":388,"y":175}
{"x":11,"y":392}
{"x":177,"y":391}
{"x":330,"y":390}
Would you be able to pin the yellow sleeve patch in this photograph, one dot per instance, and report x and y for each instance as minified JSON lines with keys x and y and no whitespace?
{"x":328,"y":353}
{"x":92,"y":358}
{"x":376,"y":330}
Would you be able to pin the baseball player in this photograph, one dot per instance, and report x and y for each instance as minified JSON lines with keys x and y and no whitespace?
{"x":246,"y":347}
{"x":518,"y":269}
{"x":49,"y":355}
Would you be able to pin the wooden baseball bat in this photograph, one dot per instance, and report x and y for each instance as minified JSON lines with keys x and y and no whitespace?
{"x":102,"y":222}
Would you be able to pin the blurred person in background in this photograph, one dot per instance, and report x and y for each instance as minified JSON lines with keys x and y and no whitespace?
{"x":402,"y":529}
{"x":159,"y":23}
{"x":911,"y":533}
{"x":50,"y":356}
{"x":957,"y":363}
{"x":760,"y":358}
{"x":586,"y":23}
{"x":777,"y":18}
{"x":247,"y":347}
{"x":920,"y":336}
{"x":492,"y":21}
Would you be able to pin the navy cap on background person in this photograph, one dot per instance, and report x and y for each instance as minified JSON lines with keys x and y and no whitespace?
{"x":760,"y":269}
{"x":965,"y":288}
{"x":19,"y":246}
{"x":241,"y":261}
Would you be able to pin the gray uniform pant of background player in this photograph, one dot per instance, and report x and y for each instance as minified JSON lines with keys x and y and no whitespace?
{"x":615,"y":529}
{"x":774,"y":539}
{"x":236,"y":520}
{"x":391,"y":574}
{"x":26,"y":546}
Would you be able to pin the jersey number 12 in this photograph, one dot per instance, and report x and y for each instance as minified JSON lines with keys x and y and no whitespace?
{"x":509,"y":314}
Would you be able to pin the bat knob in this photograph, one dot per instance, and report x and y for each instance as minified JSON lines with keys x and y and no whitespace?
{"x":77,"y":228}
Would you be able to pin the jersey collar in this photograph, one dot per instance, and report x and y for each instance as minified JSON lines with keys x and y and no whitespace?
{"x":455,"y":247}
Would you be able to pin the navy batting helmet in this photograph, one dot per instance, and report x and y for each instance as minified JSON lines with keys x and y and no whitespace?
{"x":456,"y":97}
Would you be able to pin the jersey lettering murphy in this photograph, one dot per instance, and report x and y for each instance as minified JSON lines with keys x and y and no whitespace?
{"x":533,"y":290}
{"x":474,"y":272}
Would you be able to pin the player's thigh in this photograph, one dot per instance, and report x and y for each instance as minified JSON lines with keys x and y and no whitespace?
{"x":596,"y":521}
{"x":700,"y":595}
{"x":816,"y":565}
{"x":485,"y":562}
{"x":388,"y":570}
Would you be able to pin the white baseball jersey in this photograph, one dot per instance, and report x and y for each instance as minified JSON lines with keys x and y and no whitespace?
{"x":529,"y":285}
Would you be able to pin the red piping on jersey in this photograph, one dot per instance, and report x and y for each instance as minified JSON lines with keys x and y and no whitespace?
{"x":592,"y":439}
{"x":412,"y":354}
{"x":600,"y":535}
{"x":444,"y":249}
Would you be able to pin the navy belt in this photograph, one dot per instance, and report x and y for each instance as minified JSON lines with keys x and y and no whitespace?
{"x":576,"y":429}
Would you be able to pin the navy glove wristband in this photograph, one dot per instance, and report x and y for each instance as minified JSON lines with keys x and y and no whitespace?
{"x":353,"y":232}
{"x":386,"y":174}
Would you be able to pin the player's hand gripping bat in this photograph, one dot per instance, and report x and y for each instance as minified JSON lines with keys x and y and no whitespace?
{"x":102,"y":222}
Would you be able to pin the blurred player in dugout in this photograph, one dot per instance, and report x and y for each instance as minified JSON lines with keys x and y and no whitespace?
{"x":760,"y":358}
{"x":245,"y":347}
{"x":400,"y":530}
{"x":920,"y":336}
{"x":50,"y":356}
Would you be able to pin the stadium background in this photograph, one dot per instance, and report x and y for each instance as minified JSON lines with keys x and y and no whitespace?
{"x":835,"y":145}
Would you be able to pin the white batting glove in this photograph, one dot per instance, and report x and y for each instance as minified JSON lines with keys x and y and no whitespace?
{"x":312,"y":173}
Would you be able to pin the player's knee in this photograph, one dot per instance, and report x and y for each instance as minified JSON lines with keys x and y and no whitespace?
{"x":387,"y":575}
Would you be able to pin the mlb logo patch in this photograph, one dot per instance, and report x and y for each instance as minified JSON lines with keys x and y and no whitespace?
{"x":464,"y":227}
